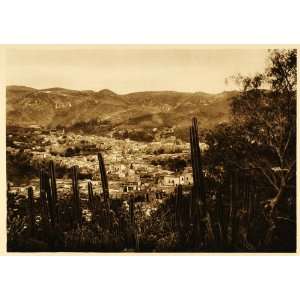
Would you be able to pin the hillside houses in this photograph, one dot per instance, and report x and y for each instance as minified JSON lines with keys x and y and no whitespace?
{"x":184,"y":178}
{"x":129,"y":164}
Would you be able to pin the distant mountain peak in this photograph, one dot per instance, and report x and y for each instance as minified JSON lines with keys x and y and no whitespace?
{"x":107,"y":92}
{"x":19,"y":88}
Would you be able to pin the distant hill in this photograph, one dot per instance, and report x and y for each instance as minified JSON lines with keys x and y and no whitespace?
{"x":62,"y":107}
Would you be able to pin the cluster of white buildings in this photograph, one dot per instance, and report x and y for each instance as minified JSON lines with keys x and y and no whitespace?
{"x":185,"y":178}
{"x":128,"y":164}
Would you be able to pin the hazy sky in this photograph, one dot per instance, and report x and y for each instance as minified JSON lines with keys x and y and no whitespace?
{"x":129,"y":69}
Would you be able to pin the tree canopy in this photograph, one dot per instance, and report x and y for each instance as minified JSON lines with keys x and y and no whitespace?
{"x":262,"y":131}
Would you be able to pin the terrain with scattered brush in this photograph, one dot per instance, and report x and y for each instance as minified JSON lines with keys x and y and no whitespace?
{"x":55,"y":107}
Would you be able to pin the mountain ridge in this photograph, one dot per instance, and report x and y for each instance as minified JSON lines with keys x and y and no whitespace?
{"x":148,"y":109}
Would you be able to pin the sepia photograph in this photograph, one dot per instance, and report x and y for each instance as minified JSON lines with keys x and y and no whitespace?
{"x":150,"y":149}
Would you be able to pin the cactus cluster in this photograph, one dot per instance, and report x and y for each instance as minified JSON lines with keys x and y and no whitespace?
{"x":53,"y":204}
{"x":202,"y":228}
{"x":48,"y":195}
{"x":92,"y":203}
{"x":182,"y":209}
{"x":104,"y":181}
{"x":76,"y":195}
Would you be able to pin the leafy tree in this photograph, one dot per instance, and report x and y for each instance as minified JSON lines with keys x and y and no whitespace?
{"x":262,"y":134}
{"x":268,"y":119}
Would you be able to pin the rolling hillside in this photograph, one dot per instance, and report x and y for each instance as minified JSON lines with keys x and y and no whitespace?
{"x":62,"y":107}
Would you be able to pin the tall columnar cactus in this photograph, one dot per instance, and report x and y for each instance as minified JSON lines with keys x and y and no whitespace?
{"x":91,"y":197}
{"x":178,"y":205}
{"x":53,"y":188}
{"x":198,"y":176}
{"x":104,"y":180}
{"x":221,"y":231}
{"x":53,"y":205}
{"x":76,"y":196}
{"x":31,"y":210}
{"x":43,"y":200}
{"x":202,"y":222}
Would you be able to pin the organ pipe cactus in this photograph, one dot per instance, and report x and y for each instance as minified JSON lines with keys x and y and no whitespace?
{"x":104,"y":180}
{"x":53,"y":204}
{"x":202,"y":221}
{"x":91,"y":197}
{"x":76,"y":196}
{"x":178,"y":205}
{"x":43,"y":200}
{"x":49,"y":198}
{"x":198,"y":176}
{"x":51,"y":192}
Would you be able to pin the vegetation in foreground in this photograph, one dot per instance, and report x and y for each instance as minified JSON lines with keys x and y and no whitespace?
{"x":243,"y":198}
